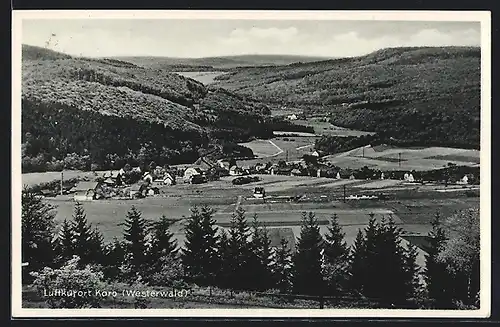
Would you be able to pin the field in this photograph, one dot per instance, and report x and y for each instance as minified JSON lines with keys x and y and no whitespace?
{"x":322,"y":127}
{"x":387,"y":158}
{"x":286,"y":148}
{"x":320,"y":195}
{"x":202,"y":77}
{"x":31,"y":179}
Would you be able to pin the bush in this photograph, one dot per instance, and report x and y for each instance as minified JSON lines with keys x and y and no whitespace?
{"x":81,"y":287}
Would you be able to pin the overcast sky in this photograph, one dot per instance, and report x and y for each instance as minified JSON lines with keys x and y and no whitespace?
{"x":203,"y":38}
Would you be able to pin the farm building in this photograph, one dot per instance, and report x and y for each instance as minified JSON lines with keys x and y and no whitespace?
{"x":191,"y":171}
{"x":85,"y":191}
{"x":168,"y":179}
{"x":292,"y":117}
{"x":204,"y":164}
{"x":260,"y":167}
{"x":138,"y":191}
{"x":147,"y":177}
{"x":235,"y":171}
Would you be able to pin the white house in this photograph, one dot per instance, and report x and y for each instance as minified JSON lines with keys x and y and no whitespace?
{"x":147,"y":177}
{"x":338,"y":175}
{"x":190,"y":172}
{"x":292,"y":117}
{"x":235,"y":171}
{"x":464,"y":180}
{"x":85,"y":191}
{"x":315,"y":154}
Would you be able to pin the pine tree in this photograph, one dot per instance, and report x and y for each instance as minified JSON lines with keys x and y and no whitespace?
{"x":82,"y":233}
{"x":281,"y":267}
{"x":37,"y":227}
{"x":385,"y":276}
{"x":336,"y":258}
{"x":97,"y":246}
{"x":135,"y":238}
{"x":259,"y":262}
{"x":414,"y":288}
{"x":358,"y":264}
{"x":65,"y":241}
{"x":240,"y":251}
{"x":224,"y":258}
{"x":163,"y":241}
{"x":199,"y":255}
{"x":114,"y":257}
{"x":308,"y":275}
{"x":435,"y":272}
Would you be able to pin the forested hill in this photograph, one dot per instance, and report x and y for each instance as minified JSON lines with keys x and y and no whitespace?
{"x":217,"y":63}
{"x":80,"y":111}
{"x":424,"y":94}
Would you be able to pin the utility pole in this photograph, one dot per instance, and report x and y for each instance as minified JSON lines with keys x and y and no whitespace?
{"x":286,"y":155}
{"x":399,"y":159}
{"x":344,"y":193}
{"x":62,"y":178}
{"x":363,"y":152}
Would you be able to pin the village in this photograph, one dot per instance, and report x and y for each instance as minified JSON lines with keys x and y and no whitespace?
{"x":134,"y":183}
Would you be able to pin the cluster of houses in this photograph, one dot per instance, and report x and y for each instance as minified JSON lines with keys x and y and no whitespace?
{"x":134,"y":183}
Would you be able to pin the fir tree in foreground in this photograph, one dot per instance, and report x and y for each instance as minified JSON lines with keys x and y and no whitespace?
{"x":437,"y":277}
{"x":240,"y":252}
{"x":260,"y":259}
{"x":282,"y":267}
{"x":199,"y":255}
{"x":336,"y":258}
{"x":82,"y":233}
{"x":379,"y":264}
{"x":135,"y":242}
{"x":164,"y":264}
{"x":37,"y":227}
{"x":308,"y":275}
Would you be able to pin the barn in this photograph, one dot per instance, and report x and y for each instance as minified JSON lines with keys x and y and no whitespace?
{"x":85,"y":191}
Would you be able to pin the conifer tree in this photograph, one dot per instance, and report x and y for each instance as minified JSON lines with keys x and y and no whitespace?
{"x":163,"y":241}
{"x":82,"y":233}
{"x":308,"y":275}
{"x":199,"y":255}
{"x":336,"y":258}
{"x":135,"y":240}
{"x":97,"y":246}
{"x":384,"y":275}
{"x":239,"y":250}
{"x":282,"y":266}
{"x":114,"y":257}
{"x":358,"y":264}
{"x":224,"y":258}
{"x":65,"y":241}
{"x":435,"y":272}
{"x":37,"y":227}
{"x":414,"y":288}
{"x":259,"y":264}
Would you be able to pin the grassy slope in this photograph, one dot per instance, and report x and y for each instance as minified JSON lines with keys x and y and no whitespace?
{"x":368,"y":92}
{"x":223,"y":62}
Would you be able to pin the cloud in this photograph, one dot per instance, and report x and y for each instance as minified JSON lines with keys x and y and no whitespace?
{"x":202,"y":40}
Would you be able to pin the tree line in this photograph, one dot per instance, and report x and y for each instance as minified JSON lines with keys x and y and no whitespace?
{"x":378,"y":266}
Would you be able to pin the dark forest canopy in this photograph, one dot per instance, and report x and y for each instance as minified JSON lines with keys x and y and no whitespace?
{"x":420,"y":93}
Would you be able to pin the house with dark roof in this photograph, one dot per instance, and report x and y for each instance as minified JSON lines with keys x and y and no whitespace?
{"x":85,"y":191}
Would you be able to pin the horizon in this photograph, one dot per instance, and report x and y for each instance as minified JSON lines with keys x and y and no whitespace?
{"x":250,"y":54}
{"x":193,"y":39}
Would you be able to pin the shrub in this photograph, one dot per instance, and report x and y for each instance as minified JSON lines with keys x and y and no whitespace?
{"x":81,"y":287}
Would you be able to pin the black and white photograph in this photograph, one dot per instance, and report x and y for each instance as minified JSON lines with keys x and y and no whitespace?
{"x":241,"y":163}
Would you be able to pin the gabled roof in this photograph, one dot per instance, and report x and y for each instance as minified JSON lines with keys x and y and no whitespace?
{"x":85,"y":186}
{"x":203,"y":163}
